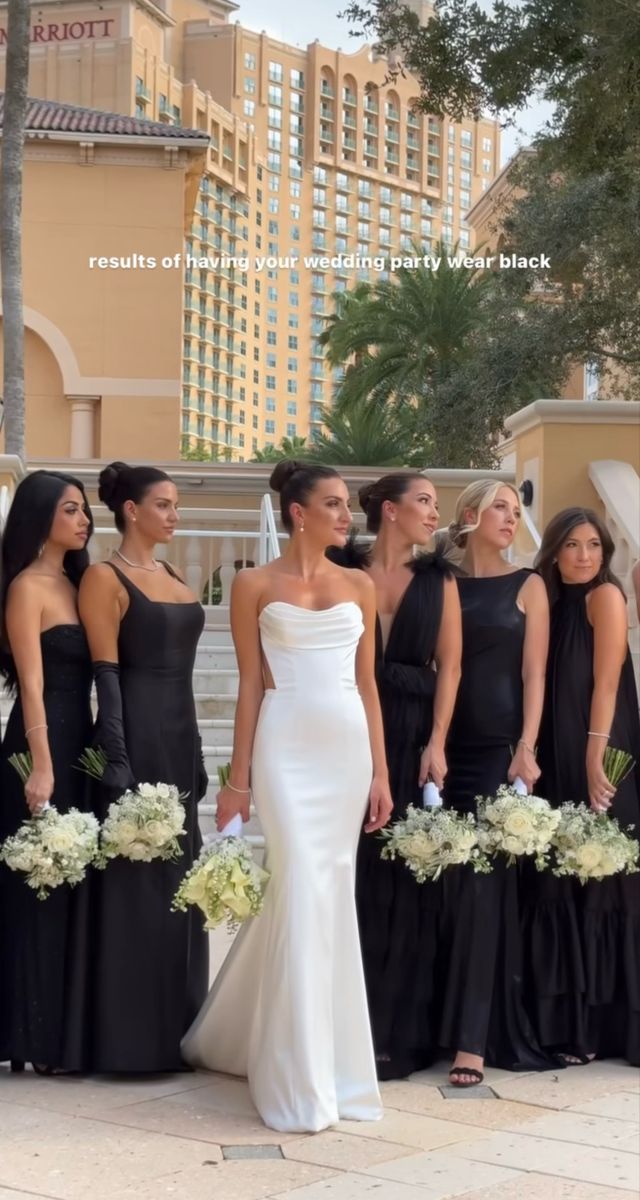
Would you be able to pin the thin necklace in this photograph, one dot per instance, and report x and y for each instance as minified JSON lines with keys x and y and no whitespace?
{"x":138,"y":566}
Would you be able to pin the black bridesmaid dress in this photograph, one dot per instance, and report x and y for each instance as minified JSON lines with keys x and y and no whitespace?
{"x":45,"y":945}
{"x":482,"y":1007}
{"x":583,"y":941}
{"x":151,"y":964}
{"x":399,"y":919}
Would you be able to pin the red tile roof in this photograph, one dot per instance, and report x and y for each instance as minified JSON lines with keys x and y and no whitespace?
{"x":44,"y":116}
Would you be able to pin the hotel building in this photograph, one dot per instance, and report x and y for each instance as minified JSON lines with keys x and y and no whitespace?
{"x":317,"y":171}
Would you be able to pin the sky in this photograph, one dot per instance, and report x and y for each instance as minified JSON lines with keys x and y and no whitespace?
{"x":301,"y":22}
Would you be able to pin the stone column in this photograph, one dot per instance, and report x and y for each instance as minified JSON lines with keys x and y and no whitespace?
{"x":82,"y":441}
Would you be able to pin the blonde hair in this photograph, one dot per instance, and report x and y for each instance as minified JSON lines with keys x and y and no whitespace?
{"x":478,"y":496}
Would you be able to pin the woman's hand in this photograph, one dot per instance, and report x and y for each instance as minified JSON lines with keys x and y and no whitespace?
{"x":380,"y":804}
{"x":433,"y":764}
{"x":601,"y":792}
{"x":229,"y":804}
{"x":524,"y":766}
{"x":38,"y":789}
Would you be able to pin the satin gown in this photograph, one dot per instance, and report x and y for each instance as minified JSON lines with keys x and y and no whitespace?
{"x":288,"y":1008}
{"x":46,"y":946}
{"x":151,"y":964}
{"x":483,"y":1010}
{"x":583,"y":942}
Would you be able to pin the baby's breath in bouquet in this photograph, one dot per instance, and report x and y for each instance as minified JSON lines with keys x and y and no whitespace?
{"x":517,"y":825}
{"x":592,"y":846}
{"x":53,"y":848}
{"x":431,"y":839}
{"x":144,"y":824}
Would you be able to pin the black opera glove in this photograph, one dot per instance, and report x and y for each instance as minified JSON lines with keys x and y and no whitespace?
{"x":110,"y":727}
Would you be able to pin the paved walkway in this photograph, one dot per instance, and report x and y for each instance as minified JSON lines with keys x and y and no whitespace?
{"x":572,"y":1135}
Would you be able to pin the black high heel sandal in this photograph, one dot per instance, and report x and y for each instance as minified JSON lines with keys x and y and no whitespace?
{"x":17,"y":1067}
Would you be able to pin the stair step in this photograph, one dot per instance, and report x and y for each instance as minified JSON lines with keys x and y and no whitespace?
{"x":216,"y":682}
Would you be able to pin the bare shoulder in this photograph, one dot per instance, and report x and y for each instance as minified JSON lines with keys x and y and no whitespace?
{"x":28,"y":588}
{"x":534,"y":588}
{"x":606,"y":601}
{"x":360,"y":581}
{"x":100,"y":579}
{"x":249,"y":582}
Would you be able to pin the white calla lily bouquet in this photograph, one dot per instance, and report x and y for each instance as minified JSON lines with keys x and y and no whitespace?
{"x":225,"y":882}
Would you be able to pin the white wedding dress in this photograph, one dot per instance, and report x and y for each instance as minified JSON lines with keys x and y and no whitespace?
{"x":288,"y":1008}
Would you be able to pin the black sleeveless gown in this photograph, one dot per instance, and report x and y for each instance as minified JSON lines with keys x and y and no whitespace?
{"x":151,"y":965}
{"x":399,"y":919}
{"x":45,"y":945}
{"x":482,"y":1006}
{"x":583,"y":942}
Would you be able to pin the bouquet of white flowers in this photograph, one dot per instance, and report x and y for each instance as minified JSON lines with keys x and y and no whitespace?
{"x":516,"y":824}
{"x":144,"y":824}
{"x":224,"y":883}
{"x":53,"y":848}
{"x":592,"y":845}
{"x":431,"y":839}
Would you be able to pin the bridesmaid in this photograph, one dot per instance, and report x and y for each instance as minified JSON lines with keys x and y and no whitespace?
{"x":45,"y":661}
{"x":492,"y":741}
{"x":589,"y":1004}
{"x":418,"y":647}
{"x":143,"y":626}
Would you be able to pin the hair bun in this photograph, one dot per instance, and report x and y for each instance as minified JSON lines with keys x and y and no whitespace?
{"x":364,"y":496}
{"x":108,"y":480}
{"x":283,"y":471}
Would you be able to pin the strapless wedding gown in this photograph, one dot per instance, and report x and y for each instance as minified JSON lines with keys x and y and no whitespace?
{"x":288,"y":1008}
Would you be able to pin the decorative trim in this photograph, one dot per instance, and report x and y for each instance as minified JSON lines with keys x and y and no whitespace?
{"x":573,"y":412}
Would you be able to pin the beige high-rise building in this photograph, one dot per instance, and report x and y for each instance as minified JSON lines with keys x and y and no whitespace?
{"x":318,"y":172}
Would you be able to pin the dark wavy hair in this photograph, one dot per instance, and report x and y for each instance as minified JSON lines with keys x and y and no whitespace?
{"x":28,"y":526}
{"x":119,"y":482}
{"x":553,"y":539}
{"x":295,"y":482}
{"x":389,"y":487}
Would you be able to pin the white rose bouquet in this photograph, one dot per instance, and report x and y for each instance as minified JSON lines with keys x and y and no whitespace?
{"x":432,"y":839}
{"x":53,"y":848}
{"x":224,"y":883}
{"x":516,"y":825}
{"x":592,"y":846}
{"x":144,"y":824}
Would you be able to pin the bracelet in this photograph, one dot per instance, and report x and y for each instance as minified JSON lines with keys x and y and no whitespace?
{"x":592,"y":733}
{"x":240,"y":791}
{"x":521,"y":742}
{"x":31,"y":729}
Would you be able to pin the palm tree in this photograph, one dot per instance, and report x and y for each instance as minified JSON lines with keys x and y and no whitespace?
{"x":295,"y":447}
{"x":407,"y":332}
{"x":13,"y":123}
{"x":363,"y":434}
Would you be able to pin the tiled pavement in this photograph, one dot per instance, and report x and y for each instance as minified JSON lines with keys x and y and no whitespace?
{"x":571,"y":1135}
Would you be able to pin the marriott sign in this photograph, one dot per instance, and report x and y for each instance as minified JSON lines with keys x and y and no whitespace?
{"x":68,"y":31}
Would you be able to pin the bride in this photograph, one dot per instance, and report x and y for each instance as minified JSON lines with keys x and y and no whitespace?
{"x":288,"y":1008}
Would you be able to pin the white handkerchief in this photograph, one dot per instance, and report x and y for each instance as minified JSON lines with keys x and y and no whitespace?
{"x":233,"y":828}
{"x":431,"y":797}
{"x":520,"y":786}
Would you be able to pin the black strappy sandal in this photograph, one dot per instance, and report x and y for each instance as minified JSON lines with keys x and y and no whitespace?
{"x":478,"y":1077}
{"x":567,"y":1059}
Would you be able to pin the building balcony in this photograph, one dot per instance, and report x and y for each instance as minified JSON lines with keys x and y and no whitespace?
{"x":142,"y":92}
{"x":326,"y":90}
